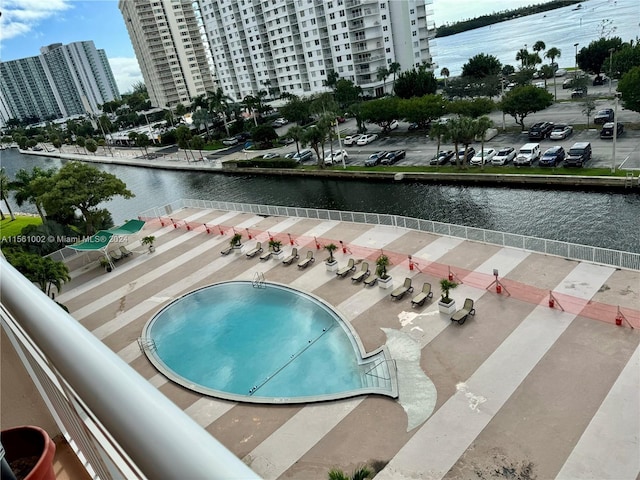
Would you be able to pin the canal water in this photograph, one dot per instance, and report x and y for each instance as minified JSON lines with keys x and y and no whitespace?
{"x":602,"y":219}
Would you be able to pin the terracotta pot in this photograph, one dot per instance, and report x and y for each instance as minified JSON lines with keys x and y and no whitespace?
{"x":29,"y":445}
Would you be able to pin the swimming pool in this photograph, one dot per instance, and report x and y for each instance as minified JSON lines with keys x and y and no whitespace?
{"x":263,"y":343}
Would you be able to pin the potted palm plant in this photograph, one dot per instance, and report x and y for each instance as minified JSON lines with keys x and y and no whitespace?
{"x":331,"y":262}
{"x":384,"y":279}
{"x":104,"y":263}
{"x":276,"y":247}
{"x":447,"y":304}
{"x":236,"y":240}
{"x":148,"y":240}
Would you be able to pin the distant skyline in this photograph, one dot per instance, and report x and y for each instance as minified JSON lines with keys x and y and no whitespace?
{"x":27,"y":25}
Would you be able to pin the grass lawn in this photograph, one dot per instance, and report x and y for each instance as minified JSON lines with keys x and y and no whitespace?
{"x":9,"y":228}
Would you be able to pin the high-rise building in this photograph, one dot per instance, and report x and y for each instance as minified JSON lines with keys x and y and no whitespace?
{"x":171,"y":49}
{"x":290,"y":46}
{"x":62,"y":81}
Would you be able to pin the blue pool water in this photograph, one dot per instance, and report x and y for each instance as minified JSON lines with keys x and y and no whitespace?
{"x":270,"y":344}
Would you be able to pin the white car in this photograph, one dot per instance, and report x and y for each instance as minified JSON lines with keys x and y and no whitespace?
{"x":352,"y":139}
{"x":336,"y":157}
{"x":504,"y":156}
{"x":230,"y":141}
{"x":268,"y":156}
{"x":485,"y":155}
{"x":367,"y":139}
{"x":560,"y":131}
{"x":393,"y":125}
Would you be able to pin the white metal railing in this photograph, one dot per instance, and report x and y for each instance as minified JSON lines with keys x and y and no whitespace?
{"x":573,"y":251}
{"x":118,"y":423}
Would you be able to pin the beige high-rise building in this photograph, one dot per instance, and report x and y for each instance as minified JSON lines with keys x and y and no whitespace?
{"x":173,"y":55}
{"x":290,"y":46}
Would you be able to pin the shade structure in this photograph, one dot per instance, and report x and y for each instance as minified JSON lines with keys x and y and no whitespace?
{"x":101,"y":239}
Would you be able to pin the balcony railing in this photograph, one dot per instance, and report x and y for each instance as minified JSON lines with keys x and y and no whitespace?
{"x":119,"y":424}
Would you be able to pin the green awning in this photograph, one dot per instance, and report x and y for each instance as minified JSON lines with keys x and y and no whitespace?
{"x":129,"y":228}
{"x":98,"y":241}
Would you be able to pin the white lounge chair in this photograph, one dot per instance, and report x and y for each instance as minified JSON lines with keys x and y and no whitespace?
{"x":125,"y":251}
{"x":461,"y":315}
{"x":254,"y":251}
{"x":294,"y":255}
{"x":399,"y":292}
{"x":362,"y":274}
{"x":371,"y":281}
{"x":422,"y":297}
{"x":308,"y":260}
{"x":350,"y":267}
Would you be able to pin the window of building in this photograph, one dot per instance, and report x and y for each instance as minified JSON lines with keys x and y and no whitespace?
{"x":384,"y":29}
{"x":349,"y":57}
{"x":388,"y":50}
{"x":413,"y":22}
{"x":384,"y":17}
{"x":332,"y":16}
{"x":414,"y":33}
{"x":336,"y":38}
{"x":412,"y":11}
{"x":337,"y":48}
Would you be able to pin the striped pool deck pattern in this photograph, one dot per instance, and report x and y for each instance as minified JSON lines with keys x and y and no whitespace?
{"x":519,"y":386}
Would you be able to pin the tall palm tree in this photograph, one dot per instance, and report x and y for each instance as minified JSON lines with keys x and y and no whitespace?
{"x":539,"y":46}
{"x":441,"y":132}
{"x":483,"y":124}
{"x":4,"y":192}
{"x":296,"y":133}
{"x":219,"y":104}
{"x":394,"y":68}
{"x":523,"y":57}
{"x":382,"y":74}
{"x":445,"y":73}
{"x":463,"y":131}
{"x":552,"y":54}
{"x":27,"y":189}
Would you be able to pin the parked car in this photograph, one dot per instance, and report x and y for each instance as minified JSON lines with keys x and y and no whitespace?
{"x":578,"y":155}
{"x":527,"y":154}
{"x":290,"y":155}
{"x":352,"y":139}
{"x":394,"y":124}
{"x":279,"y":122}
{"x":552,"y":157}
{"x":600,"y":80}
{"x":603,"y":116}
{"x":413,"y":126}
{"x":341,"y":119}
{"x":393,"y":157}
{"x":540,"y":130}
{"x":470,"y":153}
{"x":504,"y":156}
{"x":483,"y":156}
{"x":561,"y":72}
{"x":303,"y":156}
{"x":367,"y":139}
{"x":442,"y":158}
{"x":267,"y":156}
{"x":561,"y":131}
{"x":375,"y":158}
{"x":230,"y":141}
{"x":335,"y":157}
{"x":580,"y":92}
{"x":607,"y":130}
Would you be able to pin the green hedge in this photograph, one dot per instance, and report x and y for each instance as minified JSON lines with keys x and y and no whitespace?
{"x":267,"y":163}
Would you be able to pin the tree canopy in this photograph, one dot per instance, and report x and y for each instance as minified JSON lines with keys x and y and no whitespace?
{"x":522,"y":101}
{"x":83,"y":187}
{"x":629,"y":87}
{"x":423,"y":110}
{"x":481,"y":66}
{"x":591,"y":58}
{"x":381,"y":111}
{"x":415,"y":83}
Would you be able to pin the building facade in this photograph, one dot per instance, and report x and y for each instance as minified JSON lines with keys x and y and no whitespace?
{"x":171,"y":49}
{"x":64,"y":80}
{"x":290,"y":46}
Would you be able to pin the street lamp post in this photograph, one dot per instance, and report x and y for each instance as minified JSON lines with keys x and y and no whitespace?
{"x":615,"y":133}
{"x":575,"y":71}
{"x":610,"y":68}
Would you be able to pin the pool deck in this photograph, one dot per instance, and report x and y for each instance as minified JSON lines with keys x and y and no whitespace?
{"x":519,"y":386}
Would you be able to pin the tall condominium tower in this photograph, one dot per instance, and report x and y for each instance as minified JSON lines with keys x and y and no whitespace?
{"x":291,"y":45}
{"x":62,"y":81}
{"x":170,"y":48}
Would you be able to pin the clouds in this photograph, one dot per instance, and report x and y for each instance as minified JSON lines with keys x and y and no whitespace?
{"x":126,"y":72}
{"x":21,"y":17}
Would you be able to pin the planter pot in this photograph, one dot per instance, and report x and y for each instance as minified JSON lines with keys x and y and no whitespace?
{"x":29,"y":452}
{"x":332,"y":266}
{"x":278,"y":254}
{"x":448,"y":308}
{"x":152,"y":249}
{"x":385,"y":282}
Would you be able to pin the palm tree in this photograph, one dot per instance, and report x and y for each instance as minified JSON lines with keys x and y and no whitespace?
{"x":552,"y":54}
{"x":445,"y":73}
{"x":483,"y":124}
{"x":382,"y":75}
{"x":539,"y":46}
{"x":219,"y":104}
{"x":29,"y":187}
{"x":4,"y":192}
{"x":523,"y":57}
{"x":394,"y":68}
{"x":296,"y":133}
{"x":361,"y":473}
{"x":463,"y":131}
{"x":441,"y":132}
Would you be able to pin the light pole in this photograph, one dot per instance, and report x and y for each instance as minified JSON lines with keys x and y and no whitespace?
{"x":610,"y":68}
{"x":615,"y":133}
{"x":575,"y":70}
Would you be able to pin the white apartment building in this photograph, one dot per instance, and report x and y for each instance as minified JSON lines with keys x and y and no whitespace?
{"x":171,"y":49}
{"x":291,"y":45}
{"x":64,"y":80}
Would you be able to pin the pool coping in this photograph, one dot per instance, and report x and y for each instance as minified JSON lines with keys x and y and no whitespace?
{"x":147,"y":346}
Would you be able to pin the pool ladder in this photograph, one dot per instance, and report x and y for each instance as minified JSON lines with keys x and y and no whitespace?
{"x":258,"y":280}
{"x":147,"y":344}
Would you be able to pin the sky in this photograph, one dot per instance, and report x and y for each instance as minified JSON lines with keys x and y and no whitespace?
{"x":27,"y":25}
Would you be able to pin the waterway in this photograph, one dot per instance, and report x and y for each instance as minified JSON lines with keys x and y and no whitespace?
{"x":603,"y":219}
{"x":561,"y":28}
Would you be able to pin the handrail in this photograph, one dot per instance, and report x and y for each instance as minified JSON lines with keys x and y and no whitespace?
{"x":160,"y":439}
{"x":573,"y":251}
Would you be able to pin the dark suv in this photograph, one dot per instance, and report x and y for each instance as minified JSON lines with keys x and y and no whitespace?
{"x":578,"y":155}
{"x":607,"y":130}
{"x":603,"y":116}
{"x":540,"y":130}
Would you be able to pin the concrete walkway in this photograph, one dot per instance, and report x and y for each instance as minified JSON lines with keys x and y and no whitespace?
{"x":519,"y":385}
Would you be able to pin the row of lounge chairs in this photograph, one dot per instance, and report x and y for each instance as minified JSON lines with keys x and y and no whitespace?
{"x":120,"y":253}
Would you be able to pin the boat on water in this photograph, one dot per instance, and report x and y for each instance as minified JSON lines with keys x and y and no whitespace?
{"x":578,"y":7}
